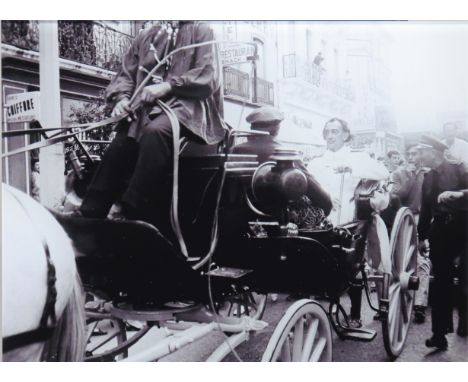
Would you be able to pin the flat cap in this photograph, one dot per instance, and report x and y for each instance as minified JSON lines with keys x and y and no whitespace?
{"x":265,"y":116}
{"x":427,"y":141}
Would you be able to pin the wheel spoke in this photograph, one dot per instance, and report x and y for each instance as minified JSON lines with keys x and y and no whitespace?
{"x":397,"y":323}
{"x":91,"y":330}
{"x":409,"y":265}
{"x":309,"y":340}
{"x":393,"y":310}
{"x":401,"y":326}
{"x":298,"y":340}
{"x":286,"y":350}
{"x":318,"y":350}
{"x":404,"y":306}
{"x":392,"y":289}
{"x":105,"y":339}
{"x":409,"y":296}
{"x":393,"y":294}
{"x":402,"y":246}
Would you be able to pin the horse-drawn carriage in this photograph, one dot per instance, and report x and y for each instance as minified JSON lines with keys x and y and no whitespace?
{"x":240,"y":246}
{"x":240,"y":250}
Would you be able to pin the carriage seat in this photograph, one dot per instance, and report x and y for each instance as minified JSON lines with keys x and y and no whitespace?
{"x":196,"y":156}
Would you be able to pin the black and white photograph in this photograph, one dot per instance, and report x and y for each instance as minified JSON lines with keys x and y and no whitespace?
{"x":234,"y":190}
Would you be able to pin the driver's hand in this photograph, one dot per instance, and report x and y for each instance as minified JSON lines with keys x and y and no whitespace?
{"x":121,"y":107}
{"x":448,"y":196}
{"x":151,"y":93}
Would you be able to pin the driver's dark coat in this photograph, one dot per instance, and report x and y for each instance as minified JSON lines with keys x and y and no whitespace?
{"x":194,"y":75}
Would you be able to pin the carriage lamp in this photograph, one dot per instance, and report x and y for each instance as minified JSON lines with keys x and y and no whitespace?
{"x":279,"y":181}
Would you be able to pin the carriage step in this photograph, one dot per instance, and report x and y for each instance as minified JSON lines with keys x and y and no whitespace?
{"x":232,"y":273}
{"x":365,"y":335}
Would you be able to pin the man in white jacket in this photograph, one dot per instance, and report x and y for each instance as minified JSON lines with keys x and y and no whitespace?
{"x":340,"y":169}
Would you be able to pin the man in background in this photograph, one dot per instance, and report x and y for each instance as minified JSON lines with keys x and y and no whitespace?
{"x":268,"y":119}
{"x":457,"y":148}
{"x":35,"y":178}
{"x":394,"y":160}
{"x":442,"y":226}
{"x":340,"y":170}
{"x":407,"y":187}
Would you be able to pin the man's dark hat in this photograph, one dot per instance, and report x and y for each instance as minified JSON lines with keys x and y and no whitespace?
{"x":427,"y":141}
{"x":265,"y":116}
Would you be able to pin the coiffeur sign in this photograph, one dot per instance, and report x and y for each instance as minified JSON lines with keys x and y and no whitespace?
{"x":23,"y":107}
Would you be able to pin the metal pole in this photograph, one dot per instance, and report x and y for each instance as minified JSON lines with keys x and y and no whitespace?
{"x":51,"y":157}
{"x":254,"y":87}
{"x":338,"y":220}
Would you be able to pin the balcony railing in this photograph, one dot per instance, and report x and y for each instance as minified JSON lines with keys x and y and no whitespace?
{"x":265,"y":92}
{"x":318,"y":76}
{"x":94,"y":43}
{"x":22,"y":34}
{"x":87,"y":42}
{"x":236,"y":82}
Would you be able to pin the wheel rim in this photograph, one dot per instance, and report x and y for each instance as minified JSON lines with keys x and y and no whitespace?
{"x":403,"y":245}
{"x":114,"y":332}
{"x":302,"y":335}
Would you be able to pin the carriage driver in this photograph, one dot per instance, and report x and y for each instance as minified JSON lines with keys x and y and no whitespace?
{"x":140,"y":155}
{"x":268,"y":119}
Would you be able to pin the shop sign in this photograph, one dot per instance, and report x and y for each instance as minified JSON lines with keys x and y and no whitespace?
{"x":23,"y":107}
{"x":236,"y":53}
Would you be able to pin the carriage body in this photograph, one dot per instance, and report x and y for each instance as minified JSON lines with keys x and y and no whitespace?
{"x":136,"y":263}
{"x":141,"y":268}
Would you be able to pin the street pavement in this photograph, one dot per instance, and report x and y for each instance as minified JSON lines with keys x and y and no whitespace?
{"x":343,"y":350}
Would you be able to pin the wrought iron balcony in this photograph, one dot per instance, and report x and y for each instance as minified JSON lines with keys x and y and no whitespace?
{"x":236,"y":82}
{"x":318,"y":76}
{"x":86,"y":42}
{"x":22,"y":34}
{"x":265,"y":92}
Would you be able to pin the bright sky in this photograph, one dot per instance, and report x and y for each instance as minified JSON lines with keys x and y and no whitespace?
{"x":429,"y":64}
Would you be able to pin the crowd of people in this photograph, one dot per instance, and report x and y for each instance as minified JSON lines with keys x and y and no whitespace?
{"x":431,"y":180}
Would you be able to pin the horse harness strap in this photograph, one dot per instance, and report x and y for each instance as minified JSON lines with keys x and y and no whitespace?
{"x":44,"y":331}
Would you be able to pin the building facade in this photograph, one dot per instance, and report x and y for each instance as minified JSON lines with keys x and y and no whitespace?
{"x":312,"y":71}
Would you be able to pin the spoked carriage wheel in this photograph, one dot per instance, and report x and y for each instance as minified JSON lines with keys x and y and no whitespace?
{"x":400,"y":290}
{"x":104,"y":332}
{"x":246,"y":303}
{"x":302,"y":335}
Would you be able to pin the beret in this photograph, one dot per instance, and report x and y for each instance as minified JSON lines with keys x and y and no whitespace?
{"x":265,"y":115}
{"x":427,"y":141}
